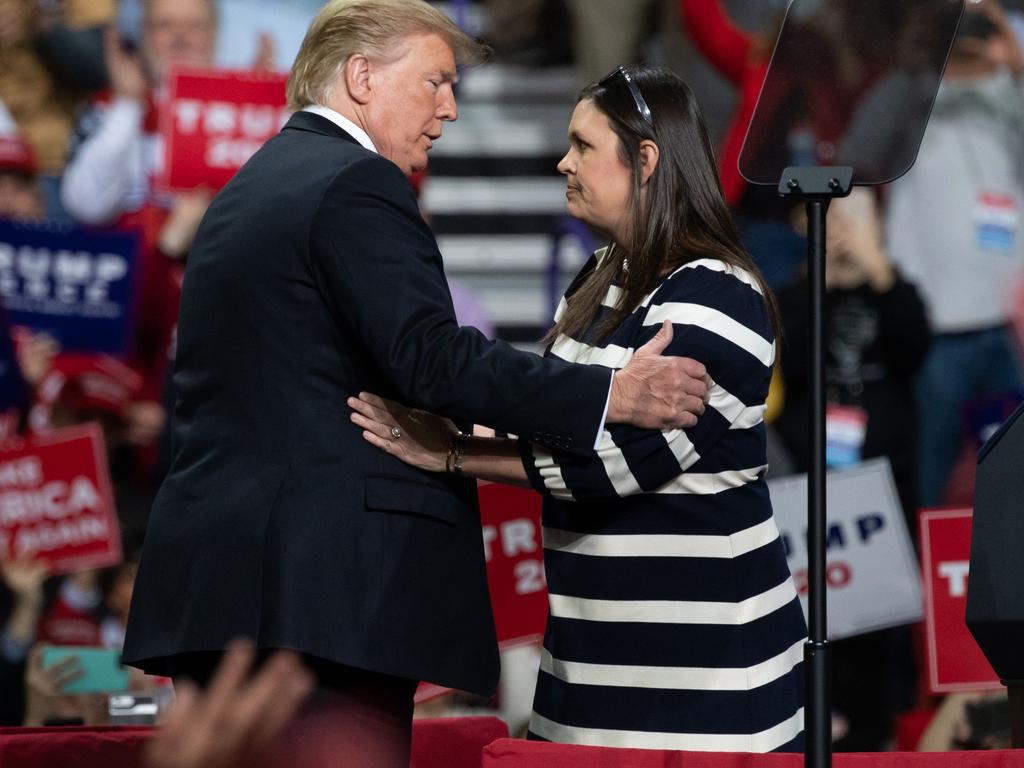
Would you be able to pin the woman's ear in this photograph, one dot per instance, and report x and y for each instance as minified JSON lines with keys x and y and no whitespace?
{"x":649,"y":156}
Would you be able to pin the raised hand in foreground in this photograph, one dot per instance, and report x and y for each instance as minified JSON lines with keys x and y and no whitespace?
{"x":236,"y":718}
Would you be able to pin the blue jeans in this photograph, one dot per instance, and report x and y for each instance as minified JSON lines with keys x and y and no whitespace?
{"x":959,"y":368}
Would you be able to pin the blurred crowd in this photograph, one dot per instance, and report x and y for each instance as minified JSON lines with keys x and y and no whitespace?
{"x":924,"y":311}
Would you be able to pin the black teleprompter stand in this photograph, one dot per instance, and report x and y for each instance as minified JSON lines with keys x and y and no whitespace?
{"x":869,"y":129}
{"x":816,"y":187}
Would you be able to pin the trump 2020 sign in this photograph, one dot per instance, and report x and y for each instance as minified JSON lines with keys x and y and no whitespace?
{"x":871,"y":572}
{"x":215,"y":121}
{"x":954,"y":660}
{"x":78,"y":287}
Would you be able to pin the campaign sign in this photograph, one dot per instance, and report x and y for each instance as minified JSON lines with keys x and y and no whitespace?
{"x":56,"y":502}
{"x":955,"y":662}
{"x":515,"y":562}
{"x":215,"y":121}
{"x":871,"y":570}
{"x":515,"y":569}
{"x":76,"y":286}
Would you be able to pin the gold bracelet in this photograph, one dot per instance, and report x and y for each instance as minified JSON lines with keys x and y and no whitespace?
{"x":450,"y":456}
{"x":457,"y":450}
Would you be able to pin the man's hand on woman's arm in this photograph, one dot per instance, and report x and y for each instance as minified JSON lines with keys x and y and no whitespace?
{"x":656,"y":392}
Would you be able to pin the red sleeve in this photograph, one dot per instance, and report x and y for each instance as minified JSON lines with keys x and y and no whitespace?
{"x":158,"y":292}
{"x":724,"y":44}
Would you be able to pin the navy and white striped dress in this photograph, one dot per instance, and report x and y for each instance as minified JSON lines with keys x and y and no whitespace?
{"x":673,"y":619}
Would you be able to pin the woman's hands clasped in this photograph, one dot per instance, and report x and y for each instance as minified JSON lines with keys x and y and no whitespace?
{"x":418,"y":438}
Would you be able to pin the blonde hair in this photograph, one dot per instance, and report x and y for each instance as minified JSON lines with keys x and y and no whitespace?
{"x":370,"y":27}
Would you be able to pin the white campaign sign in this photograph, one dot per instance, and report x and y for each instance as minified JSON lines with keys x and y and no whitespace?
{"x":872,"y":573}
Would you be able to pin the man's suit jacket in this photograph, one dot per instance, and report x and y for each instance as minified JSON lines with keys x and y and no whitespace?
{"x":314,"y":278}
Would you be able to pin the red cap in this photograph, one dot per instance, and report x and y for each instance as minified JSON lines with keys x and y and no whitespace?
{"x":16,"y":156}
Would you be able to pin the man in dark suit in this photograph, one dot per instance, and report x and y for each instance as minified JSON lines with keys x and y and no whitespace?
{"x":313,"y":278}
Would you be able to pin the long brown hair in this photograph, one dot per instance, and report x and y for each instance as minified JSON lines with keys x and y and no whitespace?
{"x":683,"y":217}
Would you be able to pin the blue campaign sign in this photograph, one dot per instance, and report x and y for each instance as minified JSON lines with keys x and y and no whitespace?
{"x":78,"y":287}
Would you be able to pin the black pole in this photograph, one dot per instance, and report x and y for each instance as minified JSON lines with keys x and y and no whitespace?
{"x":816,"y":187}
{"x":817,"y":653}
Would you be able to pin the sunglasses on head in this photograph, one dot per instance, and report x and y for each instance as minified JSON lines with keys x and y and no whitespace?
{"x":634,"y":91}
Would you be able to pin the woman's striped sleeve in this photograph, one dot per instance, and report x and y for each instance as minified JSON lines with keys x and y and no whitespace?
{"x":718,"y":318}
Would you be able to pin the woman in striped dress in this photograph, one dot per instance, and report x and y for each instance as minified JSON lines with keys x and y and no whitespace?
{"x":673,"y":619}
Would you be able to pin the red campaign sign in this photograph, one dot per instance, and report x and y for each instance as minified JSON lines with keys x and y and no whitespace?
{"x":515,"y":562}
{"x":215,"y":121}
{"x":955,"y":662}
{"x":515,"y":568}
{"x":56,"y":502}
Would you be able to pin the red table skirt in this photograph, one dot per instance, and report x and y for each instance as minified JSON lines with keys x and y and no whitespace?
{"x":436,"y":743}
{"x":514,"y":753}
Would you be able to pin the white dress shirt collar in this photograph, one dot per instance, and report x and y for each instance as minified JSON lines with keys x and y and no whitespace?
{"x":344,"y":123}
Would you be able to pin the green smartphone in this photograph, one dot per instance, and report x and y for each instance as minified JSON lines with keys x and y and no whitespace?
{"x":103,"y":670}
